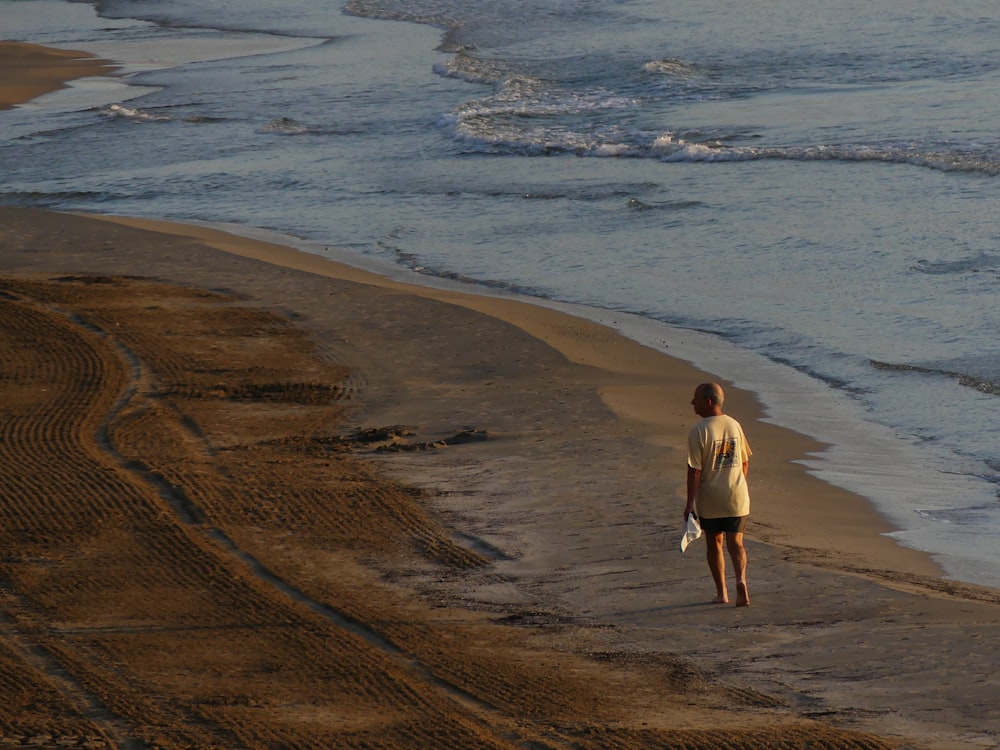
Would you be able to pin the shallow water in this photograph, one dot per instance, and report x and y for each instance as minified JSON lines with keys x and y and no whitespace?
{"x":814,"y":186}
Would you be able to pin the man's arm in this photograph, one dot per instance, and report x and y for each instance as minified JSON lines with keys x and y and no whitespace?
{"x":746,"y":469}
{"x":693,"y":482}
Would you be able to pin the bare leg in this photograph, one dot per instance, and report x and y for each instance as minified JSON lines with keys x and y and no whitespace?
{"x":717,"y":564}
{"x":738,"y":553}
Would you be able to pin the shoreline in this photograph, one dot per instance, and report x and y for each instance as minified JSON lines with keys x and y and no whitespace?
{"x":642,"y":397}
{"x":891,"y":517}
{"x":634,"y":403}
{"x":848,"y":628}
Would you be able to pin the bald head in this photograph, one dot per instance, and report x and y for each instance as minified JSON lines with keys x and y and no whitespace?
{"x":708,"y":399}
{"x":711,"y":391}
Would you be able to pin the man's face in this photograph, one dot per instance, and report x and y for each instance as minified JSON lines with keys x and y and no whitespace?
{"x":700,"y":403}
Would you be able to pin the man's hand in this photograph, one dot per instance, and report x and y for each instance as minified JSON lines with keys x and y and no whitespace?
{"x":693,"y":481}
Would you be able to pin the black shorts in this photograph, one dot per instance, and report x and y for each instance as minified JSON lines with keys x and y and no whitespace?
{"x":733,"y":525}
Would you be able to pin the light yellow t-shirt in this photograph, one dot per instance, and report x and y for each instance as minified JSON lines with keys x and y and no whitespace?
{"x":717,"y":447}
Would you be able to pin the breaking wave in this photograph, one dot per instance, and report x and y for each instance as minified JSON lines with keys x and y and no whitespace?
{"x":530,"y":114}
{"x":133,"y":113}
{"x":502,"y":124}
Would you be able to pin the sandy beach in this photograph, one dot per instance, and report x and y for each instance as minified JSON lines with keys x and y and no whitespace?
{"x":255,"y":498}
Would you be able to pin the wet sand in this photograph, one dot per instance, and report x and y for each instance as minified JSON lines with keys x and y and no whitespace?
{"x":257,"y":498}
{"x":28,"y":70}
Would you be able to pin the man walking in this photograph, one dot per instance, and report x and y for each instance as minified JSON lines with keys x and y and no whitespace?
{"x":718,"y":462}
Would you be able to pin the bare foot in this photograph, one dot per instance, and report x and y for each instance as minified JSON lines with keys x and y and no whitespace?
{"x":721,"y":599}
{"x":742,"y":595}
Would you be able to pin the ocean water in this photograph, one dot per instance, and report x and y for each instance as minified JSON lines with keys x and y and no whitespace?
{"x":800,"y":196}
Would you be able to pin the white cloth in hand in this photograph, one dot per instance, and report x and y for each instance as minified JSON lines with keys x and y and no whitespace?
{"x":692,"y":530}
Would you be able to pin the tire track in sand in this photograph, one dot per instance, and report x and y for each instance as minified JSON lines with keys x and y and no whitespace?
{"x":175,"y":580}
{"x":57,"y":434}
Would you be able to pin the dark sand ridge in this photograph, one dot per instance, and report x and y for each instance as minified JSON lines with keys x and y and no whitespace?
{"x":576,"y":507}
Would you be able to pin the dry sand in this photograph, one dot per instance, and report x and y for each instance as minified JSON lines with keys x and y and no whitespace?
{"x":253,"y":498}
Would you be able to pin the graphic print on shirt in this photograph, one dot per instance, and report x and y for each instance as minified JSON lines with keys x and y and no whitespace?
{"x":725,"y":453}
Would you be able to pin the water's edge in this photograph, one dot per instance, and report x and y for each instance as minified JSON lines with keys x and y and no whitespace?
{"x":788,"y":399}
